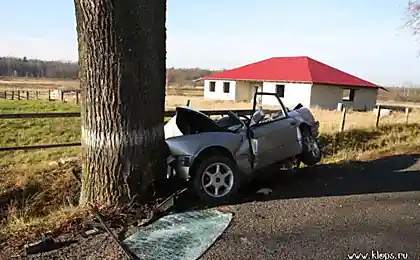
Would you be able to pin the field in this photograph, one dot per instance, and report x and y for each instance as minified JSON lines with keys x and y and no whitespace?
{"x":39,"y":193}
{"x":395,"y":96}
{"x":22,"y":83}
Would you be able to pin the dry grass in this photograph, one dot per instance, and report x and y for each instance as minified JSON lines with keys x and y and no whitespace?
{"x":37,"y":195}
{"x":368,"y":143}
{"x":330,"y":120}
{"x":22,"y":83}
{"x":201,"y":103}
{"x":36,"y":200}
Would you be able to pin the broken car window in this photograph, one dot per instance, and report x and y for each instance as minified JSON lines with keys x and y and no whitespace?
{"x":272,"y":108}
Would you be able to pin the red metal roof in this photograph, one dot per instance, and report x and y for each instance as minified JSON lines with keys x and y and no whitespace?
{"x":292,"y":69}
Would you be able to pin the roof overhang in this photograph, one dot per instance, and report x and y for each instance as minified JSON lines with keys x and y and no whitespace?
{"x":260,"y":80}
{"x":352,"y":86}
{"x":299,"y":82}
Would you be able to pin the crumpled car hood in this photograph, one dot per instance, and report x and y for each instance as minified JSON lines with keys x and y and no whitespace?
{"x":188,"y":120}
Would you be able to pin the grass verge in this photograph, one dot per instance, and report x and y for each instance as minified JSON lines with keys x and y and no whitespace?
{"x":38,"y":194}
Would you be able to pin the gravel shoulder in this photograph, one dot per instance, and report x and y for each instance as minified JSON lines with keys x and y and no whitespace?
{"x":325,"y":212}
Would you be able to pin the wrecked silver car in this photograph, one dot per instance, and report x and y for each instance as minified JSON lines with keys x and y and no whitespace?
{"x":216,"y":156}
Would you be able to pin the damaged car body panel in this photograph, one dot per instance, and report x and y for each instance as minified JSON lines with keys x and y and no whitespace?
{"x":303,"y":115}
{"x":202,"y":134}
{"x":219,"y":154}
{"x":186,"y":149}
{"x":269,"y":147}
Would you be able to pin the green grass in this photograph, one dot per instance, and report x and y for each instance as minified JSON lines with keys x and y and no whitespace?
{"x":17,"y":132}
{"x":34,"y":193}
{"x":21,"y":106}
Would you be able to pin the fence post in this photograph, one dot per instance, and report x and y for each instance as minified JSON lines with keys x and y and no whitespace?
{"x":343,"y":119}
{"x":27,"y":95}
{"x":62,"y":95}
{"x":18,"y":94}
{"x":407,"y":112}
{"x":77,"y":97}
{"x":13,"y":94}
{"x":378,"y":115}
{"x":36,"y":95}
{"x":5,"y":94}
{"x":49,"y":95}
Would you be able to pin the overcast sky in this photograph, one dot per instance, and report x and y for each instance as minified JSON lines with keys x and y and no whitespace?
{"x":362,"y":37}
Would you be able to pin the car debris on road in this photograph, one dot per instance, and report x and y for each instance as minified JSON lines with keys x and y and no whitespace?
{"x":265,"y":191}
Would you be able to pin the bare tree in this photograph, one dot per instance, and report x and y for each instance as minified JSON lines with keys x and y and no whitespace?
{"x":122,"y":60}
{"x":413,"y":11}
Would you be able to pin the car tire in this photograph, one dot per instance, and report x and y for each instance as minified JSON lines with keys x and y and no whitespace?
{"x":227,"y":180}
{"x":311,"y":151}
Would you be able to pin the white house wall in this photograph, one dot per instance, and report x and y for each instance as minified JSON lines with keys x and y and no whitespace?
{"x":218,"y":93}
{"x":328,"y":97}
{"x":294,"y":93}
{"x":365,"y":98}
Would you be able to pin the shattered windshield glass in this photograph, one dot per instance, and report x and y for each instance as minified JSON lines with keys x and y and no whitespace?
{"x":179,"y":236}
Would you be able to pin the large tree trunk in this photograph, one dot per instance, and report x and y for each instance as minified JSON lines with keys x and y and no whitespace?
{"x":122,"y":58}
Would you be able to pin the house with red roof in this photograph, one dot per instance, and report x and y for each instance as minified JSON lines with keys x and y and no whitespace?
{"x":296,"y":80}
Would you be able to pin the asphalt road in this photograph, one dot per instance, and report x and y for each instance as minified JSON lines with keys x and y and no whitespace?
{"x":325,"y":212}
{"x":331,"y":213}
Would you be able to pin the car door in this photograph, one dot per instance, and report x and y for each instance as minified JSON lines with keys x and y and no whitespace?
{"x":274,"y":141}
{"x":287,"y":133}
{"x":275,"y":138}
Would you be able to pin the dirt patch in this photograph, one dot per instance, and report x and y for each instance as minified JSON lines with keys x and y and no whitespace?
{"x":74,"y":246}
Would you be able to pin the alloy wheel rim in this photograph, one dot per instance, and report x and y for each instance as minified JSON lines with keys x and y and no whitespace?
{"x":312,"y":146}
{"x":217,"y":180}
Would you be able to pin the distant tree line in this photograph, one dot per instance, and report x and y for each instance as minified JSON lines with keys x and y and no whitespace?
{"x":23,"y":67}
{"x":186,"y":76}
{"x":400,"y":95}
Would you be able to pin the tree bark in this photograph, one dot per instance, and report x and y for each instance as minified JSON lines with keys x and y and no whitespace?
{"x":122,"y":59}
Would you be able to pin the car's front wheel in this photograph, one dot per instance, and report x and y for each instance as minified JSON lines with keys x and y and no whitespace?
{"x":311,"y":152}
{"x":216,"y":179}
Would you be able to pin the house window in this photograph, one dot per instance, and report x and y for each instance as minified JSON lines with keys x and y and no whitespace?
{"x":212,"y":86}
{"x":280,"y":90}
{"x":348,"y":94}
{"x":226,"y":87}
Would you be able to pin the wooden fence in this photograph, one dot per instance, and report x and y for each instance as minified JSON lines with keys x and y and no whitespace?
{"x":73,"y":95}
{"x":379,"y":110}
{"x":169,"y":113}
{"x":49,"y":94}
